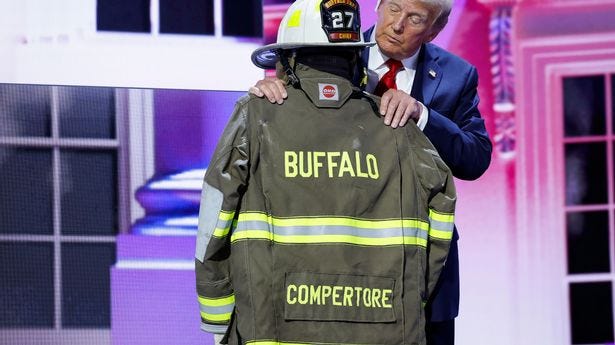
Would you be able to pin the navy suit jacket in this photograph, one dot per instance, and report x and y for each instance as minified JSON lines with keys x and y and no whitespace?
{"x":447,"y":86}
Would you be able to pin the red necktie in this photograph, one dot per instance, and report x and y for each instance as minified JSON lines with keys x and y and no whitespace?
{"x":388,"y":79}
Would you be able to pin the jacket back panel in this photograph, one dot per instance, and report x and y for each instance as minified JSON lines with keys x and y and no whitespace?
{"x":325,"y":182}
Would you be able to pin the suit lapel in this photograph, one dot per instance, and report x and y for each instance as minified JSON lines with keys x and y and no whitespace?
{"x":428,"y":75}
{"x":366,"y":36}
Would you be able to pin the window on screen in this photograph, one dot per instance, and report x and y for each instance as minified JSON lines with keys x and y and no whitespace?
{"x":238,"y":18}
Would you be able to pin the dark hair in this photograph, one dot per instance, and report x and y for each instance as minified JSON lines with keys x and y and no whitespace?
{"x":341,"y":61}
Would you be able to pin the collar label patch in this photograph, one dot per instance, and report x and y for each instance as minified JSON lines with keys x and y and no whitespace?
{"x":328,"y":92}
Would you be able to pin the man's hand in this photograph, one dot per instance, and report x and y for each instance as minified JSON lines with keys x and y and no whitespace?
{"x":272,"y":88}
{"x":398,"y":107}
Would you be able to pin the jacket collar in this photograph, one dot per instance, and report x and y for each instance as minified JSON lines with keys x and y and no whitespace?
{"x":323,"y":89}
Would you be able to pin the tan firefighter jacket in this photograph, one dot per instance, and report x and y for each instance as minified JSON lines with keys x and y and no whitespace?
{"x":319,"y":224}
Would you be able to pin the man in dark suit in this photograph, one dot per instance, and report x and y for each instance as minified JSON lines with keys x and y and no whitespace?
{"x":438,"y":90}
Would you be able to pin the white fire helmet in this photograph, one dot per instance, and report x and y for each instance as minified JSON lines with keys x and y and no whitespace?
{"x":315,"y":23}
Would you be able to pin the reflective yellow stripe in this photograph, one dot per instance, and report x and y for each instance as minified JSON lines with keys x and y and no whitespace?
{"x":226,"y":215}
{"x":221,"y":232}
{"x":441,"y":217}
{"x":217,"y":302}
{"x":442,"y":235}
{"x":216,"y":317}
{"x":415,"y":223}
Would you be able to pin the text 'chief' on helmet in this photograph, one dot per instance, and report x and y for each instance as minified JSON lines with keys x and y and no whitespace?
{"x":314,"y":23}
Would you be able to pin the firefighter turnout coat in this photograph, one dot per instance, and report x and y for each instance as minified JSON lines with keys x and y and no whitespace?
{"x":319,"y":224}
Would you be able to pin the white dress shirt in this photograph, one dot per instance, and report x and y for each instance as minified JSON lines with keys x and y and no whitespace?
{"x":376,"y":68}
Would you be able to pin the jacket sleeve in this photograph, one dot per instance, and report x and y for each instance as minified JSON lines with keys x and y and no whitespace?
{"x":441,"y":224}
{"x":225,"y":181}
{"x":460,"y":135}
{"x":437,"y":207}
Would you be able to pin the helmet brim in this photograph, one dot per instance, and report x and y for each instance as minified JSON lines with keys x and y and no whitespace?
{"x":265,"y":57}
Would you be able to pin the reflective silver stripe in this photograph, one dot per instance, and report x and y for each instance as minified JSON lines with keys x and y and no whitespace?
{"x":216,"y":329}
{"x":415,"y":232}
{"x":442,"y":226}
{"x":331,"y":230}
{"x":252,"y":225}
{"x":211,"y":205}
